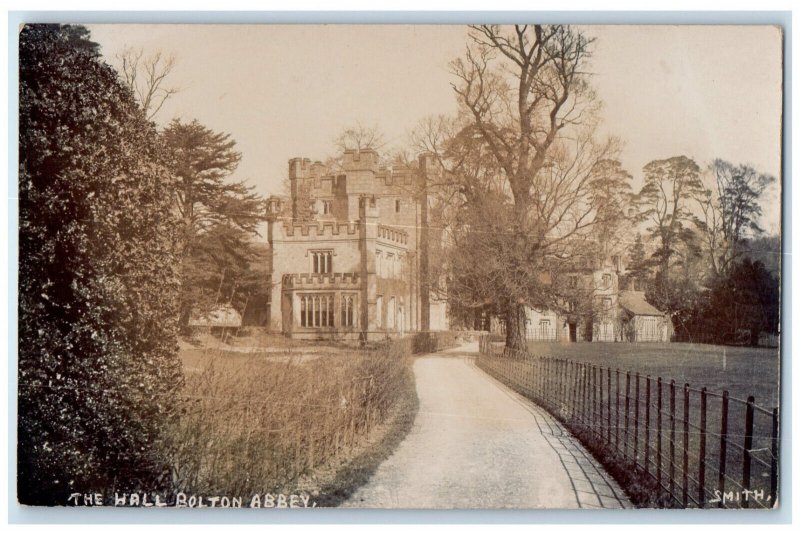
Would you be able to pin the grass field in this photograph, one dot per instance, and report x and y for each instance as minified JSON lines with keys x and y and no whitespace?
{"x":743,"y":371}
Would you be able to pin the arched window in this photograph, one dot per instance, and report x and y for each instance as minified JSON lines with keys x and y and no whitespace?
{"x":322,"y":261}
{"x":348,"y":310}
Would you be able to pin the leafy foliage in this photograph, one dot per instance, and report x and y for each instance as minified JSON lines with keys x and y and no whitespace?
{"x":98,"y":277}
{"x":747,"y":299}
{"x":729,"y":211}
{"x":669,"y":189}
{"x":220,"y":216}
{"x":639,"y":265}
{"x":739,"y":306}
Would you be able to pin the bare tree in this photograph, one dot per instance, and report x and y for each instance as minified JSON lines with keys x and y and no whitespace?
{"x":146,"y":76}
{"x":526,"y":163}
{"x":729,"y":209}
{"x":360,"y":137}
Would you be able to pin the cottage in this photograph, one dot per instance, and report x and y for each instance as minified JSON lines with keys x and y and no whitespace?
{"x":641,"y":321}
{"x":595,"y":311}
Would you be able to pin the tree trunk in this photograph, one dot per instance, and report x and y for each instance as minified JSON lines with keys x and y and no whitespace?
{"x":183,"y":321}
{"x":755,"y":334}
{"x":515,"y":328}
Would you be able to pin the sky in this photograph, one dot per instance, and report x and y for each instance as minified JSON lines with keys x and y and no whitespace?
{"x":288,"y":90}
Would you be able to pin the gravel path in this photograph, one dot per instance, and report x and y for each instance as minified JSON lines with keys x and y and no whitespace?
{"x":477,"y":444}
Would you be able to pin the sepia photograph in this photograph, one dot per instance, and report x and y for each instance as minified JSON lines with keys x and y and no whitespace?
{"x":399,"y":266}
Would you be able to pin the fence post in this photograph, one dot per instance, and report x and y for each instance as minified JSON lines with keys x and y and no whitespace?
{"x":584,"y":393}
{"x":542,"y":379}
{"x":748,"y":445}
{"x":576,"y":390}
{"x":686,"y":445}
{"x":647,"y":427}
{"x":627,"y":411}
{"x":571,"y":388}
{"x":608,"y":407}
{"x":672,"y":437}
{"x":546,"y":381}
{"x":723,"y":445}
{"x":773,"y":471}
{"x":594,"y":399}
{"x":574,"y":403}
{"x":597,"y":395}
{"x":701,"y":478}
{"x":558,"y":400}
{"x":658,"y":435}
{"x":636,"y":426}
{"x":586,"y":396}
{"x":564,"y":383}
{"x":616,"y":434}
{"x":543,"y":383}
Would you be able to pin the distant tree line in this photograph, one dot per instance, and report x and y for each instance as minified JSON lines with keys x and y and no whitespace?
{"x":712,"y":268}
{"x":534,"y":195}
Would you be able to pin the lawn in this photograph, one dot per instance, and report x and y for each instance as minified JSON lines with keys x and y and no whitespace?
{"x":743,"y":371}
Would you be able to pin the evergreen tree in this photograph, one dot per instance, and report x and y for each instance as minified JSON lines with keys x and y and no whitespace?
{"x":670,"y":186}
{"x":748,"y":299}
{"x":638,"y":269}
{"x":220,"y":216}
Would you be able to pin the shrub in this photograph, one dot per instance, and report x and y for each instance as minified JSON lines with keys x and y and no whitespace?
{"x":97,"y":277}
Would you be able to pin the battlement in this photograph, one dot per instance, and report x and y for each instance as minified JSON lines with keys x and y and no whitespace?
{"x":317,"y":229}
{"x":392,"y":234}
{"x":359,"y":160}
{"x":304,"y":168}
{"x":397,"y":176}
{"x":315,"y":281}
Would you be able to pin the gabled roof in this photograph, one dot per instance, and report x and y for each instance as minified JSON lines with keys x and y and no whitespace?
{"x":636,"y":304}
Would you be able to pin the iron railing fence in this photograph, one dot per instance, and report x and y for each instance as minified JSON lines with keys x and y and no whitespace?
{"x":696,"y":447}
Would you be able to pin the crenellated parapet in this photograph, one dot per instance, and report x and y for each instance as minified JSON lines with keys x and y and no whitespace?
{"x":316,"y":281}
{"x":320,"y":229}
{"x":392,"y":234}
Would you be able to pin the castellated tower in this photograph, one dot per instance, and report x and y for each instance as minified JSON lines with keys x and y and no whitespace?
{"x":345,"y":257}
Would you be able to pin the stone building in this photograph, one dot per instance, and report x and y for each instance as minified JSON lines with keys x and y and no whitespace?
{"x":596,"y":309}
{"x":348,"y":251}
{"x":642,"y":322}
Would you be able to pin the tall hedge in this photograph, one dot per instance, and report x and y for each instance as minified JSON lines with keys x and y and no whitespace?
{"x":98,"y":277}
